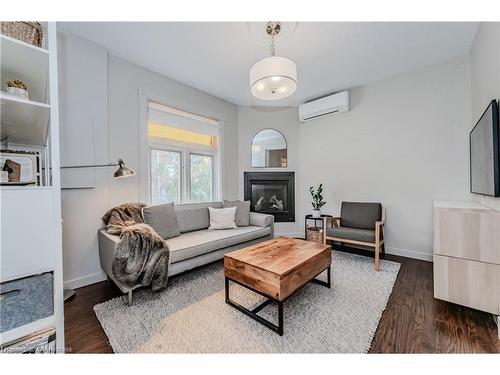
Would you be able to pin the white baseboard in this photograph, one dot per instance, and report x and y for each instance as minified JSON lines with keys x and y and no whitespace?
{"x":498,"y":325}
{"x":414,"y":254}
{"x":291,"y":234}
{"x":85,"y":280}
{"x":409,"y":253}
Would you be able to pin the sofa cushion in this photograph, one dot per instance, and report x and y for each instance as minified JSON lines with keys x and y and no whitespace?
{"x":194,"y":216}
{"x":163,"y":219}
{"x":242,"y":212}
{"x":191,"y":244}
{"x":360,"y":215}
{"x":365,"y":235}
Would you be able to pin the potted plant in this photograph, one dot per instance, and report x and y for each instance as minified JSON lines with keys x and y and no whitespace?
{"x":317,"y":200}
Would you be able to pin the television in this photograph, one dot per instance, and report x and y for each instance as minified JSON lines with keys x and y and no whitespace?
{"x":484,"y":142}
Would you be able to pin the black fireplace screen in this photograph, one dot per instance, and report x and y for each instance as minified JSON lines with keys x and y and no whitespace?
{"x":269,"y":198}
{"x":271,"y":193}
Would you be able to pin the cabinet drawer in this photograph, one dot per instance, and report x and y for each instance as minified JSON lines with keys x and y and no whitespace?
{"x":466,"y":282}
{"x":467,"y":233}
{"x":26,"y":300}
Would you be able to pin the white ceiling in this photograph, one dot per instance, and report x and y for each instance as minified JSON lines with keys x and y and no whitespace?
{"x":216,"y":57}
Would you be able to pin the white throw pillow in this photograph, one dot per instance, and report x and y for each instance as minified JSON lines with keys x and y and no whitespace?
{"x":222,"y":218}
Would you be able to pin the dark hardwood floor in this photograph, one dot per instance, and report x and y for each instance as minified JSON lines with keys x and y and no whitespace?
{"x":413,"y":322}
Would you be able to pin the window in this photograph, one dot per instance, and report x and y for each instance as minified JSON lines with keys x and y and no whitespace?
{"x":183,"y":158}
{"x":201,"y":178}
{"x":165,"y":176}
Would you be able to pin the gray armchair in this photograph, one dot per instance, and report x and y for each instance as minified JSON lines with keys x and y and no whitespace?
{"x":359,"y":224}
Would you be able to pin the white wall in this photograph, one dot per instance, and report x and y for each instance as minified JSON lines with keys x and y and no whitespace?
{"x":485,"y":80}
{"x":83,"y":105}
{"x":401,"y":144}
{"x":104,"y":90}
{"x":250,"y":121}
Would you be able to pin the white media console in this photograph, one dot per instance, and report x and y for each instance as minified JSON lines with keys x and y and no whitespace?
{"x":467,"y":255}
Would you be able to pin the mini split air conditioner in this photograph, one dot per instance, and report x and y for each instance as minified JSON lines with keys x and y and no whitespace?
{"x":336,"y":103}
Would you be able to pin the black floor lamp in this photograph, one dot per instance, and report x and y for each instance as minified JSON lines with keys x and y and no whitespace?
{"x":122,"y":171}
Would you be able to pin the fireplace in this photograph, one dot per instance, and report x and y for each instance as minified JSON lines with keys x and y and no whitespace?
{"x":271,"y":193}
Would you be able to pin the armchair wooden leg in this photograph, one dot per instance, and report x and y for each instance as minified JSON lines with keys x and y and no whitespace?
{"x":377,"y":258}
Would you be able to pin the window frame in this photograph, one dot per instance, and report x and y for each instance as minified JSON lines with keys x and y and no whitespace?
{"x":151,"y":176}
{"x":186,"y":149}
{"x":188,"y":172}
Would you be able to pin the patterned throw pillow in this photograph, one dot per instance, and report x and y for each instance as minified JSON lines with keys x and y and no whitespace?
{"x":163,"y":219}
{"x":242,"y":212}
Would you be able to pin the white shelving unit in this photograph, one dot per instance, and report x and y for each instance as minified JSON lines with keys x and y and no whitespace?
{"x":24,"y":121}
{"x":30,"y":221}
{"x":28,"y":329}
{"x":24,"y":60}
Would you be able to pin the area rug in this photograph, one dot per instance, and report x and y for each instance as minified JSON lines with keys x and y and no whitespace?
{"x":190,"y":316}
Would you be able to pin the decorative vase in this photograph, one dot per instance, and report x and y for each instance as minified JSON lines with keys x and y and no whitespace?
{"x":18,"y":92}
{"x":316,"y":213}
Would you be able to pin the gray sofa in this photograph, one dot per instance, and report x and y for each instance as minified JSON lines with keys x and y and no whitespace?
{"x":196,"y":245}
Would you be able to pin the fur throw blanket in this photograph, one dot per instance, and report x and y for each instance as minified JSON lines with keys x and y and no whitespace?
{"x":141,"y":256}
{"x":123,"y":216}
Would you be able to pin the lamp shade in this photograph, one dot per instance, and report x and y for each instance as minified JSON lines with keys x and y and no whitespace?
{"x":122,"y":170}
{"x":273,"y":78}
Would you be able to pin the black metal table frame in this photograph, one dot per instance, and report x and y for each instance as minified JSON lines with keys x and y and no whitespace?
{"x":315,"y":219}
{"x":253,"y":313}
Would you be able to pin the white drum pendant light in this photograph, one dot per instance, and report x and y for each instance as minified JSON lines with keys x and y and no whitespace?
{"x":273,"y":77}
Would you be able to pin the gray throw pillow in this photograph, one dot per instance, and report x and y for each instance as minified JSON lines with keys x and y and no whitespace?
{"x":242,"y":218}
{"x":163,"y":219}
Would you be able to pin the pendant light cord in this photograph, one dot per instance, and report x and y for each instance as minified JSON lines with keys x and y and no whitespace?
{"x":272,"y":46}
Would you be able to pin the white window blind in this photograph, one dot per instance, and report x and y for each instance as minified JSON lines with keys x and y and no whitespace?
{"x":168,"y":116}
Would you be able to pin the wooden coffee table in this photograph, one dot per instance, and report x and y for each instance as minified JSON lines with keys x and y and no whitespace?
{"x":276,"y":269}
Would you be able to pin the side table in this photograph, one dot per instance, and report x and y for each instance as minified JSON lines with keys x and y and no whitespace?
{"x":314,"y":233}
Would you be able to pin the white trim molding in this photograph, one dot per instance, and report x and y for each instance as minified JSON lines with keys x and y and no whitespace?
{"x":497,"y":319}
{"x":414,"y":254}
{"x":85,"y":280}
{"x":290,"y":234}
{"x":148,"y":98}
{"x":407,"y":253}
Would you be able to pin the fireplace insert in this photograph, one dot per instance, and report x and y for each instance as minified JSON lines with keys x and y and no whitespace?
{"x":271,"y":193}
